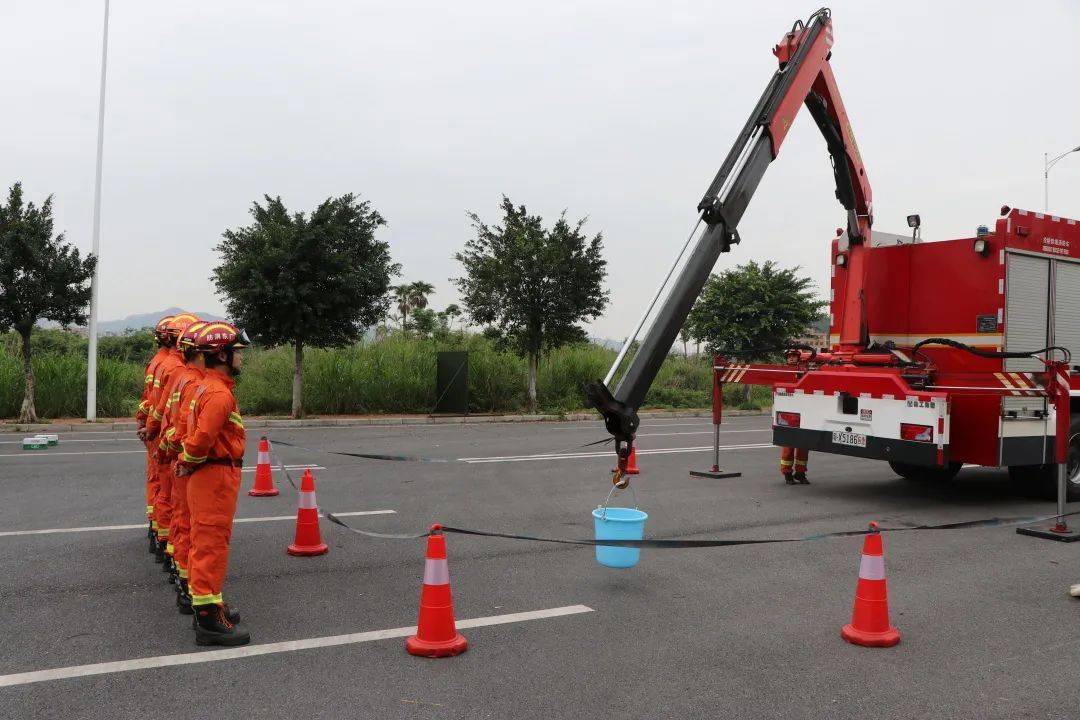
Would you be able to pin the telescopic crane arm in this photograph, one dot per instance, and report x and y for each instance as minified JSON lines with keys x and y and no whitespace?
{"x":804,"y":77}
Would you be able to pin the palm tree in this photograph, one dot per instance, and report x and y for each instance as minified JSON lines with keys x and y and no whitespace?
{"x":418,"y":292}
{"x":400,"y":296}
{"x":410,"y":296}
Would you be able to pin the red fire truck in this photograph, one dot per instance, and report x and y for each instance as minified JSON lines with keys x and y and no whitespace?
{"x":941,"y":353}
{"x":948,"y":372}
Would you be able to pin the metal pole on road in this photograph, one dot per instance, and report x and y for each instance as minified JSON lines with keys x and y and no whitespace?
{"x":91,"y":360}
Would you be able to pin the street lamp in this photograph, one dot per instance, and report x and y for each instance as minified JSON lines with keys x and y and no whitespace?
{"x":1047,"y":164}
{"x":91,"y":358}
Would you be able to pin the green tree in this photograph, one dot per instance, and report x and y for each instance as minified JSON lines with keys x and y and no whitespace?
{"x":42,"y":276}
{"x":425,"y":322}
{"x":754,"y":310}
{"x":316,"y":279}
{"x":410,"y":297}
{"x":448,"y":315}
{"x":530,"y":286}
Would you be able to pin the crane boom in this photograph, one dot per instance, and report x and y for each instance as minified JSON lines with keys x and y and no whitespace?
{"x":804,"y":77}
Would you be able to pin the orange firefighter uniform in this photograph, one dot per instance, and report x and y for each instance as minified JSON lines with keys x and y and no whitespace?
{"x":143,"y":413}
{"x":213,"y":451}
{"x":168,"y":370}
{"x":793,"y":465}
{"x":179,"y":413}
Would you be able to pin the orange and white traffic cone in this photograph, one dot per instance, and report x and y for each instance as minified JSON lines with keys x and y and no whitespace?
{"x":869,"y":625}
{"x":307,"y":540}
{"x":264,"y":479}
{"x":436,"y":635}
{"x":631,"y":462}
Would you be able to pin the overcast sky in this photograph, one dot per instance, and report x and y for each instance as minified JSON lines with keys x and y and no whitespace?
{"x":621,"y":111}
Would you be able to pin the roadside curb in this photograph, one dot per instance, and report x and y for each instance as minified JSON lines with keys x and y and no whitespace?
{"x":255,"y":422}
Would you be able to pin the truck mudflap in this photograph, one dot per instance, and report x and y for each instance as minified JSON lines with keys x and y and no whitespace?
{"x":912,"y":429}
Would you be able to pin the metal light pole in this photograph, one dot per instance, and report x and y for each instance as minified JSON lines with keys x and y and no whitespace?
{"x":1047,"y":164}
{"x":91,"y":360}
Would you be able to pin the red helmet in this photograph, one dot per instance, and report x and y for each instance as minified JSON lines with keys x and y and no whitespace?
{"x":187,"y":338}
{"x":217,"y":336}
{"x":162,"y":325}
{"x":179,"y":323}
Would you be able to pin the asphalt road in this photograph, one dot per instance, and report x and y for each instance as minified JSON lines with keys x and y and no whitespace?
{"x":744,"y":632}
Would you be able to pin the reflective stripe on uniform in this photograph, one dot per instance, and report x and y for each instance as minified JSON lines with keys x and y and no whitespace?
{"x":436,"y":572}
{"x":169,"y":548}
{"x":163,"y":531}
{"x":185,"y":457}
{"x":207,"y":599}
{"x":149,"y":509}
{"x":234,"y":417}
{"x":872,"y":567}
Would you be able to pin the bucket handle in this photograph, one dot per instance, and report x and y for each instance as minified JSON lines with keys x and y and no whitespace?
{"x":603,"y":507}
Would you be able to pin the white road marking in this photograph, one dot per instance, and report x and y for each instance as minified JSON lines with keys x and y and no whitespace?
{"x":142,"y":525}
{"x":704,"y":432}
{"x":275,"y":466}
{"x":66,"y":441}
{"x":105,"y":668}
{"x":49,"y":453}
{"x":607,"y":454}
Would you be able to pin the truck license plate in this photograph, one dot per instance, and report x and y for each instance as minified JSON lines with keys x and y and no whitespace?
{"x":849,"y":438}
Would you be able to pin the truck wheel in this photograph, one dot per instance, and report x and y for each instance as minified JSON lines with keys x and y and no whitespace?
{"x":1043,"y":478}
{"x":924,"y":473}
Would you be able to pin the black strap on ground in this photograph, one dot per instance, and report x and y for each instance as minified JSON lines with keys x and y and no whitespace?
{"x":416,"y":458}
{"x":673,"y":544}
{"x":368,"y":533}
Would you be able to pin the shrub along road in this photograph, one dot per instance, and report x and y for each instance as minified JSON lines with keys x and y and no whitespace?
{"x":740,"y":632}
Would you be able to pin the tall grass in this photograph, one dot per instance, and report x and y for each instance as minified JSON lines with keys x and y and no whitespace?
{"x":393,"y":375}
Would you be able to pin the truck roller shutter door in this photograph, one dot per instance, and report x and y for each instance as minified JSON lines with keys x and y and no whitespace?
{"x":1027,"y":309}
{"x":1067,"y":307}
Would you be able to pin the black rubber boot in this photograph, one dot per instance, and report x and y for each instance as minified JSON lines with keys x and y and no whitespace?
{"x":789,"y":479}
{"x":212,"y":627}
{"x":150,"y":530}
{"x":167,"y":566}
{"x":159,"y":551}
{"x":153,"y":542}
{"x":183,"y":598}
{"x":800,"y":477}
{"x":231,"y":614}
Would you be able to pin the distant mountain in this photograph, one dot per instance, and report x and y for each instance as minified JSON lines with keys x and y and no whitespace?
{"x":145,"y":320}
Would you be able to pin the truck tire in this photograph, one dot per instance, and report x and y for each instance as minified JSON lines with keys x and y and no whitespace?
{"x":924,"y":473}
{"x":1042,"y":479}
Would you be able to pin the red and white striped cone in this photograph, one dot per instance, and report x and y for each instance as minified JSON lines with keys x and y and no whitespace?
{"x":307,"y":540}
{"x":869,"y":625}
{"x":264,"y":479}
{"x":436,"y":634}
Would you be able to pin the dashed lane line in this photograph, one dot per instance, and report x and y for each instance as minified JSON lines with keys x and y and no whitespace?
{"x":142,"y":525}
{"x":146,"y":663}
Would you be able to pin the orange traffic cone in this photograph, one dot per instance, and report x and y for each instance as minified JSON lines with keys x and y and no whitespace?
{"x":870,"y":619}
{"x":264,"y":480}
{"x":307,"y":540}
{"x":436,"y":635}
{"x":631,"y":462}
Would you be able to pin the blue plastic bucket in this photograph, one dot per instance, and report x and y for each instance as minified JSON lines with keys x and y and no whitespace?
{"x":616,"y":523}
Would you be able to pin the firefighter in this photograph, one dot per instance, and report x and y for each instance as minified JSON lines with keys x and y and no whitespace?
{"x":181,"y":392}
{"x":141,"y":416}
{"x":793,"y":465}
{"x":167,"y":370}
{"x":212,"y":453}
